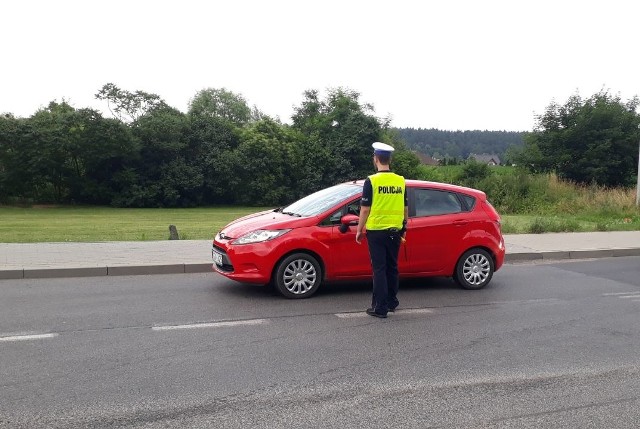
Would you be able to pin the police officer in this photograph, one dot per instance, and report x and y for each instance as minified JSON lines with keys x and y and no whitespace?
{"x":383,"y":213}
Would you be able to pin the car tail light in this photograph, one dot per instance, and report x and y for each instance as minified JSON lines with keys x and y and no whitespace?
{"x":491,"y":212}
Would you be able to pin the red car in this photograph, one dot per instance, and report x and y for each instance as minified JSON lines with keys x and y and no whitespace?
{"x":452,"y":231}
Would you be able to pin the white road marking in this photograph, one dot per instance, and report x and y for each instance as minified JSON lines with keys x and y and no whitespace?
{"x":211,"y":325}
{"x":356,"y":314}
{"x":629,"y":296}
{"x":635,"y":292}
{"x":351,"y":315}
{"x":414,"y":311}
{"x":27,"y":337}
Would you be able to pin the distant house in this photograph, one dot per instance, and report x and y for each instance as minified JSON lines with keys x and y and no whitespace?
{"x":426,"y":159}
{"x":485,"y":158}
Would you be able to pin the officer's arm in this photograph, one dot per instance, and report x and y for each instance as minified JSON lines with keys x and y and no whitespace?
{"x":404,"y":222}
{"x":364,"y":215}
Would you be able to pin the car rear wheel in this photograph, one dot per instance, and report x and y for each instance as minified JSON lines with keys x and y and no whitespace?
{"x":474,"y":269}
{"x":298,"y":276}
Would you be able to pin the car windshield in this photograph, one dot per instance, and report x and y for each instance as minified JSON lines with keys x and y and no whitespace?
{"x":323,"y":200}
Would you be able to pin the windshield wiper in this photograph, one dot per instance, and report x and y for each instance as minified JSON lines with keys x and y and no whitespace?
{"x":292,"y":214}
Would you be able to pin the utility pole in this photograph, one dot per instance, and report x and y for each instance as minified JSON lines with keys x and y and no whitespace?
{"x":638,"y":184}
{"x":638,"y":175}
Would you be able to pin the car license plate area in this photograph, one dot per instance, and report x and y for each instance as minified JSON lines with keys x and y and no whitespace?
{"x":217,"y":257}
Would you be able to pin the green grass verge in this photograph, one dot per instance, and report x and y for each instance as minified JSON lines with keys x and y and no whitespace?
{"x":91,"y":224}
{"x":538,"y":224}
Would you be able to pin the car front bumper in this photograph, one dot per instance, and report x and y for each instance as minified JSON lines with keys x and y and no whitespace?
{"x":246,"y":263}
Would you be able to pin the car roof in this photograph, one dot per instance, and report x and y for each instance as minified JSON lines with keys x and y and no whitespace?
{"x":436,"y":185}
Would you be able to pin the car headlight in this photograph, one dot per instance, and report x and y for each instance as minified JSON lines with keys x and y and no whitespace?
{"x":260,"y":235}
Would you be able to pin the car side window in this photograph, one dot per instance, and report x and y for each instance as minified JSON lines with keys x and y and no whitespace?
{"x":430,"y":202}
{"x":469,"y":201}
{"x":354,"y":208}
{"x":334,"y":218}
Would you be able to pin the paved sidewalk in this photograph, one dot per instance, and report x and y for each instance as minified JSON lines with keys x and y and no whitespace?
{"x":44,"y":260}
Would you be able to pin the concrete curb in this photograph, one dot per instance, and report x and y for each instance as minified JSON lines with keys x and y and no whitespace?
{"x":572,"y":254}
{"x":191,"y":268}
{"x":127,"y":270}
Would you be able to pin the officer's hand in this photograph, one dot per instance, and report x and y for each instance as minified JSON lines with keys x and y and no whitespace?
{"x":403,"y":237}
{"x":358,"y":235}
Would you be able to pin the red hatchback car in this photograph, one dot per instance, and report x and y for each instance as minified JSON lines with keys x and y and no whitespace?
{"x":452,"y":231}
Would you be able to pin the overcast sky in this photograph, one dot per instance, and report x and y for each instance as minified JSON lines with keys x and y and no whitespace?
{"x":453,"y":65}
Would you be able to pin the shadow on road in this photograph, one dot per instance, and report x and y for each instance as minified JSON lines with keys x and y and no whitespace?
{"x":340,"y":289}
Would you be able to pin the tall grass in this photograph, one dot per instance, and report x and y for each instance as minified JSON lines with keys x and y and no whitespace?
{"x":544,"y":202}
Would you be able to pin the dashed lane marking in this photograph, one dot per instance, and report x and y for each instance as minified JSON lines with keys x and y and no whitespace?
{"x":356,"y":314}
{"x":223,"y":324}
{"x":635,"y":292}
{"x":632,"y":296}
{"x":27,"y":337}
{"x":414,"y":311}
{"x":211,"y":325}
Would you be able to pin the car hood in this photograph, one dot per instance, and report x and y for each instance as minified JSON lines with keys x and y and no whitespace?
{"x":263,"y":220}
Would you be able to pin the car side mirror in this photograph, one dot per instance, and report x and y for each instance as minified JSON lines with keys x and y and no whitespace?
{"x":346,"y":221}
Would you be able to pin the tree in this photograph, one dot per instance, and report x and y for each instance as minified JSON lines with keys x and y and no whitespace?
{"x":586,"y":141}
{"x":108,"y":150}
{"x":209,"y":139}
{"x":129,"y":106}
{"x":64,"y":154}
{"x":267,"y":167}
{"x":338,"y":131}
{"x":223,"y":104}
{"x":15,"y":178}
{"x":160,"y":176}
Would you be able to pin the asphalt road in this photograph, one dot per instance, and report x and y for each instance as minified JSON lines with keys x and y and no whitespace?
{"x":545,"y":345}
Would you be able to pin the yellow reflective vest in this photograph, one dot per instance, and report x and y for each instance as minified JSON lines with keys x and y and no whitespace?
{"x":387,"y":203}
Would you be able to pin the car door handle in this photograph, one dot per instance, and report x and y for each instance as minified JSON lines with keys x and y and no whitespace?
{"x":460,"y":222}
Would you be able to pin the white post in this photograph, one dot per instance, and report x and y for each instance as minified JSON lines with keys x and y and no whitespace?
{"x":638,"y":184}
{"x":638,"y":177}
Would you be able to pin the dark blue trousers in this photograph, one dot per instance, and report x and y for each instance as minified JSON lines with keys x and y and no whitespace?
{"x":384,"y":247}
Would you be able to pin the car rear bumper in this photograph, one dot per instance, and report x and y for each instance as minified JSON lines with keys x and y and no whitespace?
{"x":499,"y":254}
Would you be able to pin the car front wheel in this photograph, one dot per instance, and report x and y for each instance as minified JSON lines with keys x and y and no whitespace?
{"x":474,"y":269}
{"x":298,"y":276}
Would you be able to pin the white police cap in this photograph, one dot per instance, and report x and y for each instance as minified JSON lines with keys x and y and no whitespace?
{"x":382,"y":148}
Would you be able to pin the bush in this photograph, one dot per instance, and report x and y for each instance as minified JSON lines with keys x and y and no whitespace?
{"x":517,"y":193}
{"x":473,"y":173}
{"x":431,"y":174}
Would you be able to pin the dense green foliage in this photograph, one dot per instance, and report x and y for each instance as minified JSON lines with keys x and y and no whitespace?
{"x":442,"y":144}
{"x":535,"y":203}
{"x":220,"y":152}
{"x":528,"y":204}
{"x":224,"y":152}
{"x":586,"y":141}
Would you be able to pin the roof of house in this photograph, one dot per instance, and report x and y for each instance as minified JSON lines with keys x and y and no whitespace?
{"x":485,"y":157}
{"x":426,"y":159}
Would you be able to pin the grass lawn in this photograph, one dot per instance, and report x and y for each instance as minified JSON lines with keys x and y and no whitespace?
{"x":536,"y":224}
{"x":91,"y":224}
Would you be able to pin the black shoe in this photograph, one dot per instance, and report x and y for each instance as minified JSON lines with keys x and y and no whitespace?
{"x":392,"y":310}
{"x":372,"y":312}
